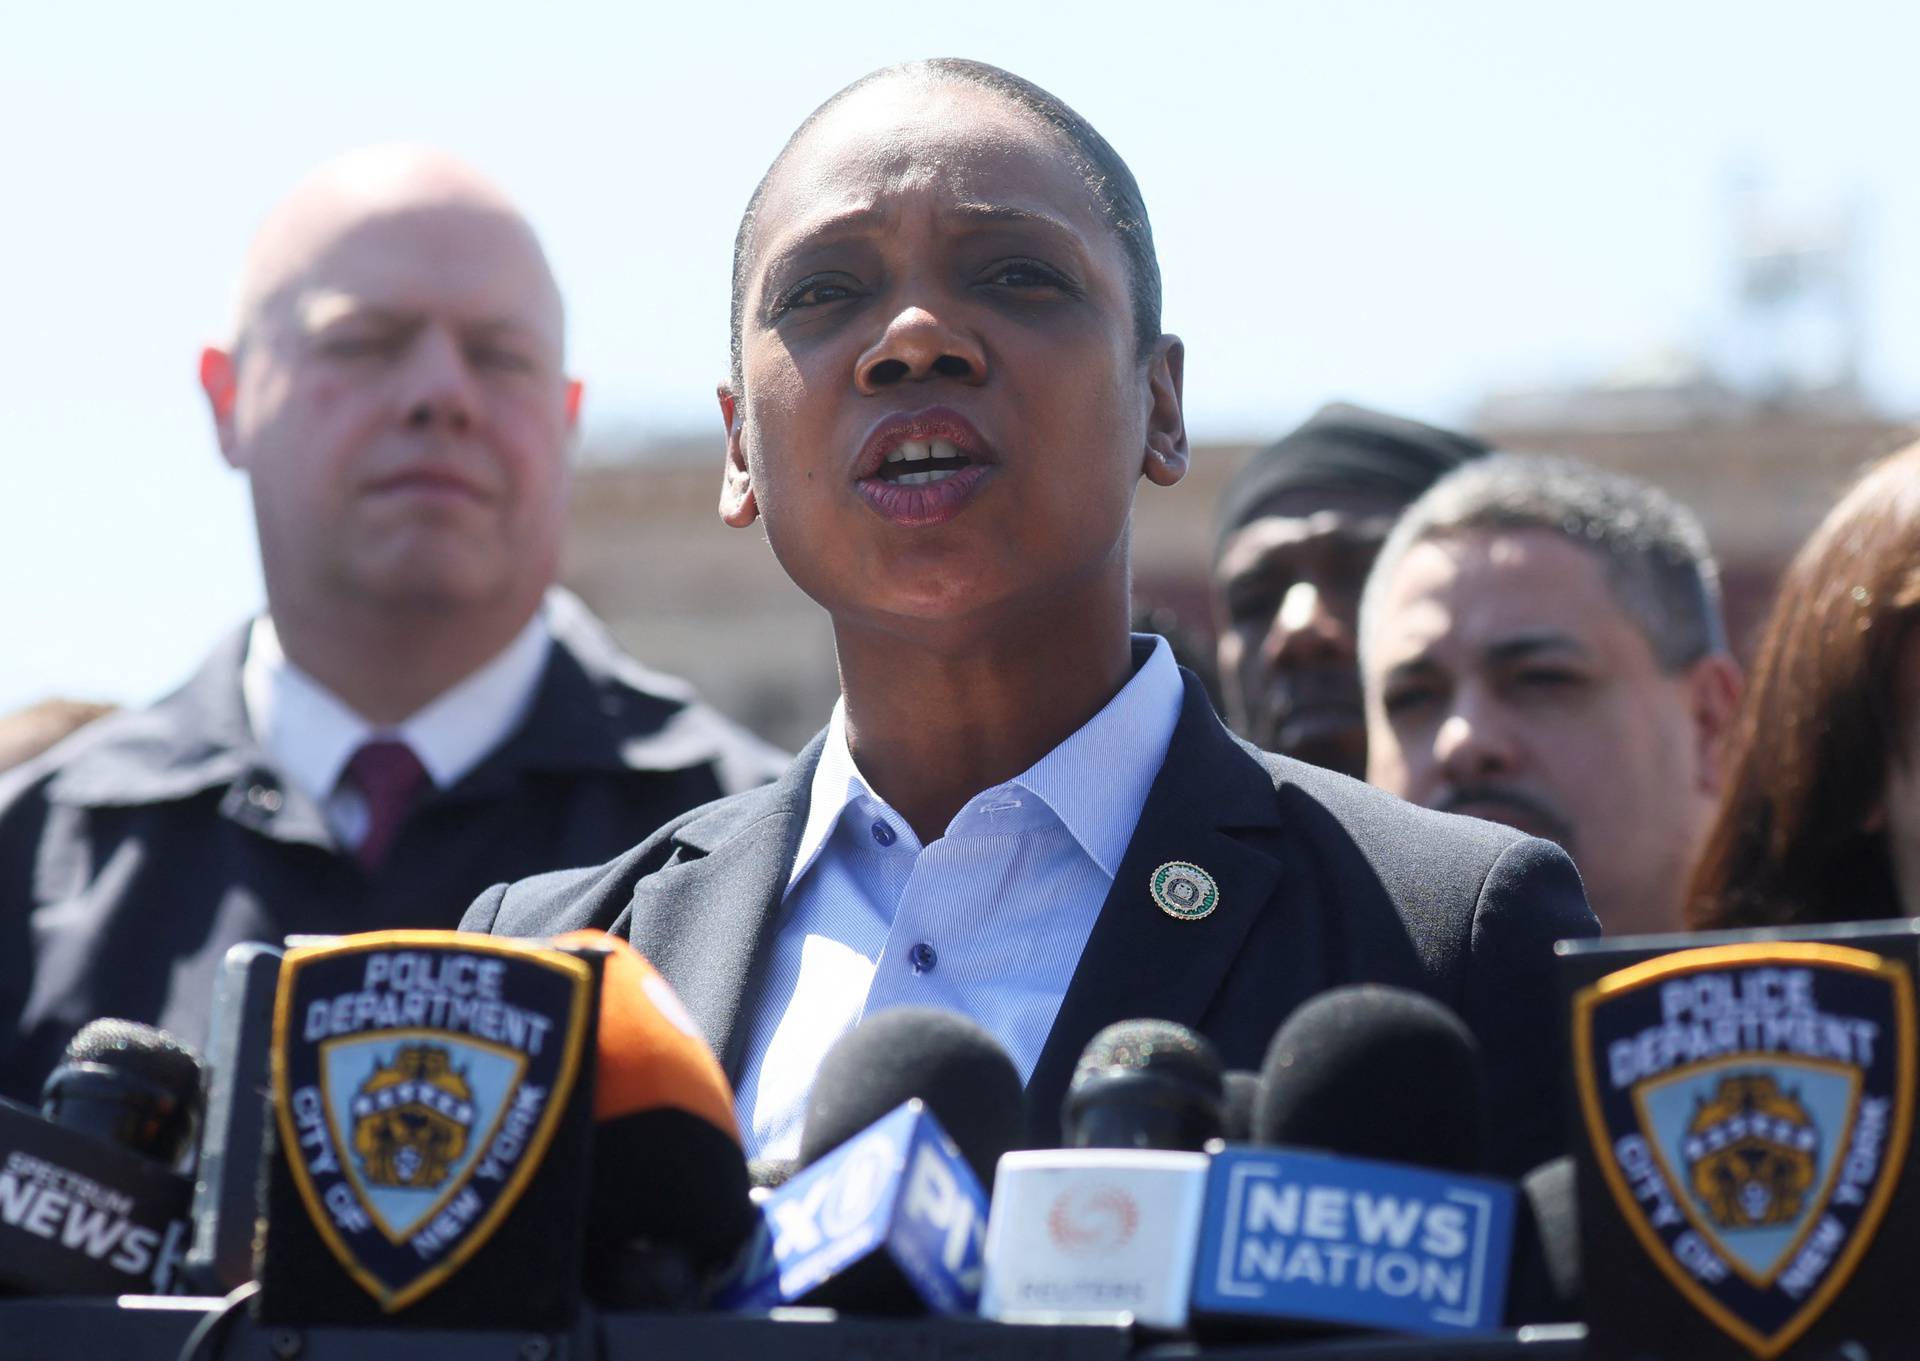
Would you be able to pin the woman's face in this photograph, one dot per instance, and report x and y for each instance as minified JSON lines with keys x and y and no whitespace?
{"x":943,"y":409}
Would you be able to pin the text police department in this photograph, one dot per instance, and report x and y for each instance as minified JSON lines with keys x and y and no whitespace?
{"x":404,"y":989}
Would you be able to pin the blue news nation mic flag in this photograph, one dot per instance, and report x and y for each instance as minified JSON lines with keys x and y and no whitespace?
{"x":1307,"y":1236}
{"x":892,"y":1219}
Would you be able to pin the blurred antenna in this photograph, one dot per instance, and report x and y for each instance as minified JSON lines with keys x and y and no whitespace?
{"x":1797,"y":330}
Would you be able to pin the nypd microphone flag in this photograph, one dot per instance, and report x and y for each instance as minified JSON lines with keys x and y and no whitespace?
{"x":418,"y":1077}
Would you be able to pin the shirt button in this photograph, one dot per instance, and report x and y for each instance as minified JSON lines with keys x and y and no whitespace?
{"x":922,"y":957}
{"x":882,"y":833}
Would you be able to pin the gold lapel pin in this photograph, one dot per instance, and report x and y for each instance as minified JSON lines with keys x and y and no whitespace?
{"x":1184,"y":891}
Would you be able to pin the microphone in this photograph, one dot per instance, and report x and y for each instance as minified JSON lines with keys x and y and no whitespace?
{"x":90,"y":1203}
{"x":1748,"y":1183}
{"x":432,"y":1132}
{"x":1145,"y":1084}
{"x":890,"y":1222}
{"x":766,"y":1173}
{"x":1236,"y":1114}
{"x":1106,"y":1228}
{"x":1547,"y":1285}
{"x":1373,"y":1071}
{"x":450,"y":1107}
{"x":942,"y":1058}
{"x":886,"y":1214}
{"x":668,"y":1199}
{"x":127,"y":1084}
{"x":1371,"y":1214}
{"x":233,"y":1136}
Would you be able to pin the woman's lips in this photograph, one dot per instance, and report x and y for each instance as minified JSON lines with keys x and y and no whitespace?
{"x":906,"y":469}
{"x":929,"y":503}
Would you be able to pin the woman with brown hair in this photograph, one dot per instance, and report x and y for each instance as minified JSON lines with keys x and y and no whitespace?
{"x":1820,"y":820}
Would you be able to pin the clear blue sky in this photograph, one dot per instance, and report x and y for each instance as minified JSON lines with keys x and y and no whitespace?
{"x":1403,"y":203}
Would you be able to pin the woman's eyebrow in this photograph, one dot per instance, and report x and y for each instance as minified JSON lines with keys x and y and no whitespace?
{"x":991,"y":214}
{"x":856,"y":220}
{"x":824,"y":231}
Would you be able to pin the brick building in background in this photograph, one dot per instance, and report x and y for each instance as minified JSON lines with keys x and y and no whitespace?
{"x":646,"y":548}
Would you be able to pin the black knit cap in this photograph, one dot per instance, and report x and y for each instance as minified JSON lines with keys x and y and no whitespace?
{"x":1346,"y":447}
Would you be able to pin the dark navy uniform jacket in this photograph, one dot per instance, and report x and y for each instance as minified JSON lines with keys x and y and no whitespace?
{"x":1322,"y":881}
{"x":134,"y":854}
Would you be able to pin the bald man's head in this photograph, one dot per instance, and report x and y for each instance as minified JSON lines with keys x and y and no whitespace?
{"x":396,"y":394}
{"x":323,"y":215}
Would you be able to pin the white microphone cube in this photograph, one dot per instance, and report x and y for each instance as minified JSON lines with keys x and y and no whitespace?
{"x":1094,"y":1235}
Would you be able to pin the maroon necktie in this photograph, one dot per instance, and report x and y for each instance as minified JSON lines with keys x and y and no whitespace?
{"x":388,"y":776}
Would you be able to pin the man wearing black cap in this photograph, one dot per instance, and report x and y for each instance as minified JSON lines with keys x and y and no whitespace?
{"x":1298,"y":528}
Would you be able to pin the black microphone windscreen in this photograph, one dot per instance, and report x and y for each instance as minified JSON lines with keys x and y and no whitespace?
{"x":127,"y":1083}
{"x":669,"y":1187}
{"x":1236,"y":1116}
{"x":948,"y":1061}
{"x":1144,"y":1084}
{"x":139,"y":1049}
{"x":1550,"y":1213}
{"x":766,"y":1173}
{"x":1372,"y":1071}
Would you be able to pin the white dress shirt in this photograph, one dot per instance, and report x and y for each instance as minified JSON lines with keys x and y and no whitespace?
{"x":988,"y":920}
{"x":311,"y":733}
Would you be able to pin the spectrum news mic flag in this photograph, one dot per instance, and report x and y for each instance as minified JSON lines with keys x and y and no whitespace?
{"x":1106,"y":1228}
{"x":447,"y":1106}
{"x":887,"y":1213}
{"x":90,"y":1201}
{"x":1748,"y":1181}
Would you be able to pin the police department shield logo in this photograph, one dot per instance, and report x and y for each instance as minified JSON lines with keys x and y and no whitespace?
{"x":1184,"y":891}
{"x":418,"y":1077}
{"x":1749,"y":1107}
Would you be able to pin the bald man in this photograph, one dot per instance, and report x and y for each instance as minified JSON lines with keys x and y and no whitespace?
{"x":419,"y":713}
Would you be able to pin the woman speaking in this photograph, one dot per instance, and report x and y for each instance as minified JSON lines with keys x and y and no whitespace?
{"x":948,"y":380}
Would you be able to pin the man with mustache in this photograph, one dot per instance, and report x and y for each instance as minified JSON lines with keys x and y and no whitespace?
{"x":1297,"y":530}
{"x":1542,"y":646}
{"x":418,"y":713}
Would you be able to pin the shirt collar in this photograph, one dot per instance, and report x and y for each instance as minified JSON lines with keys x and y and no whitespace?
{"x":837,"y":782}
{"x":1095,"y":782}
{"x":311,"y":733}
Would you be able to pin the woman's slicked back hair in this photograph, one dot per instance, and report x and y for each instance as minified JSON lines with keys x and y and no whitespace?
{"x":1112,"y":185}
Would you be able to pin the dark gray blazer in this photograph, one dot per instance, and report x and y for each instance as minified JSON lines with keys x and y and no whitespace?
{"x":1323,"y":880}
{"x":135,"y":853}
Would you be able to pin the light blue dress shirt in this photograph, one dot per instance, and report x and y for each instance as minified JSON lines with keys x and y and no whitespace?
{"x":988,"y":920}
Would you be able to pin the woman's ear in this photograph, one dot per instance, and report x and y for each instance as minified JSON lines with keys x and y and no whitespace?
{"x":1167,"y":454}
{"x":737,"y":506}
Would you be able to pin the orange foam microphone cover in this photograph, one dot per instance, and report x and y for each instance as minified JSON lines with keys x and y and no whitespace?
{"x":669,"y":1174}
